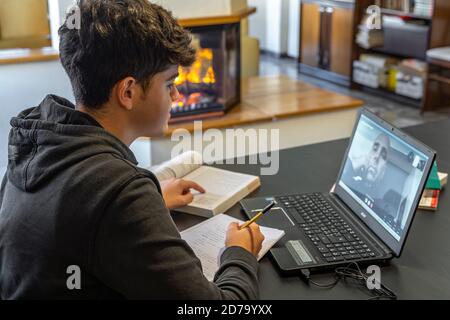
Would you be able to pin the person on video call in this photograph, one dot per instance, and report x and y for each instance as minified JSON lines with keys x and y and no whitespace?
{"x":365,"y":174}
{"x":368,"y":171}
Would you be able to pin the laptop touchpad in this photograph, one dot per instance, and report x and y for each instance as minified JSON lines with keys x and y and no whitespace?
{"x":275,"y":218}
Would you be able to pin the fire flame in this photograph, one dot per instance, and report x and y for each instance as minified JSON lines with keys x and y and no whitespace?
{"x":201,"y":71}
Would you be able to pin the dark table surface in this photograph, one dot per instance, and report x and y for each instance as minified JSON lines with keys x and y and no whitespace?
{"x":423,"y":270}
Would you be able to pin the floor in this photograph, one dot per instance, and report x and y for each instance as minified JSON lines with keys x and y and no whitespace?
{"x":399,"y":115}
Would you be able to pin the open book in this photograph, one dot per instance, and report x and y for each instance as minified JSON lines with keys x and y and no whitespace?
{"x":207,"y":239}
{"x":223,"y":188}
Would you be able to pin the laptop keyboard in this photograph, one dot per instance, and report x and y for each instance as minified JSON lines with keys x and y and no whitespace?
{"x":334,"y":238}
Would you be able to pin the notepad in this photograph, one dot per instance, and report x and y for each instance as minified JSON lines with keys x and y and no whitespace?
{"x":223,"y":188}
{"x":207,"y":239}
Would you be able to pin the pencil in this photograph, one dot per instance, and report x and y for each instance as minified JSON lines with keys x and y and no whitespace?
{"x":259,"y":215}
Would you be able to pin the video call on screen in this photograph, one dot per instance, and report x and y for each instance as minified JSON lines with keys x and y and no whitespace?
{"x":383,"y":174}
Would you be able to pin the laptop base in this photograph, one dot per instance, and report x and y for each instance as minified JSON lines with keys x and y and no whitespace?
{"x":313,"y":243}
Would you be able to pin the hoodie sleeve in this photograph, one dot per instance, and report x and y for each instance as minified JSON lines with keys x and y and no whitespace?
{"x":139,"y":253}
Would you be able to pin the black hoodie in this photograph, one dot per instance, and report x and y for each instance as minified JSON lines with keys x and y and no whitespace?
{"x":74,"y":196}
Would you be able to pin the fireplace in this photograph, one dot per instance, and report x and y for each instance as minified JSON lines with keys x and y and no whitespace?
{"x":211,"y":86}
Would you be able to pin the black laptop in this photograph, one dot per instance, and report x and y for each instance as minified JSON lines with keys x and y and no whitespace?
{"x":368,"y":215}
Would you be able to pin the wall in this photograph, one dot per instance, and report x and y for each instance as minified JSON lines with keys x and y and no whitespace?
{"x":276,"y":25}
{"x":273,"y":26}
{"x":201,"y":8}
{"x":57,"y":13}
{"x":257,"y":22}
{"x":63,"y":5}
{"x":284,"y":26}
{"x":294,"y":28}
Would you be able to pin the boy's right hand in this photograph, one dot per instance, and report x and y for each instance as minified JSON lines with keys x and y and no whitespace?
{"x":249,"y":238}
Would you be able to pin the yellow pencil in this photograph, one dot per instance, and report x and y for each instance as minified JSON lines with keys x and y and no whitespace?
{"x":259,"y":215}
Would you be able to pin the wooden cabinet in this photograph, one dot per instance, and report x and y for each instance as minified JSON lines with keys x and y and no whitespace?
{"x":310,"y":34}
{"x":326,"y":40}
{"x":341,"y":41}
{"x":24,"y":24}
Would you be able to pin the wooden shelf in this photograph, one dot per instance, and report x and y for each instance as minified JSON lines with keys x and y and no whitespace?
{"x":439,"y":78}
{"x":48,"y":54}
{"x":404,"y":14}
{"x":386,"y":53}
{"x":437,"y":62}
{"x":235,"y":17}
{"x":272,"y":98}
{"x":438,"y":36}
{"x":28,"y":55}
{"x":417,"y":103}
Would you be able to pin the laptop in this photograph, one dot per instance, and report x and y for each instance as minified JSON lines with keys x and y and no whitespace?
{"x":367,"y":217}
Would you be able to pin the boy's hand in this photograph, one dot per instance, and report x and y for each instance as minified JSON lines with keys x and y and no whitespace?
{"x":249,"y":238}
{"x":177,"y":192}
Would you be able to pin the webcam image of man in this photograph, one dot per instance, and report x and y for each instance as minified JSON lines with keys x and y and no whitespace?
{"x":383,"y":172}
{"x":367,"y":171}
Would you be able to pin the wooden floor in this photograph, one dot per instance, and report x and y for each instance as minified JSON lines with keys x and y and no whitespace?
{"x":275,"y":97}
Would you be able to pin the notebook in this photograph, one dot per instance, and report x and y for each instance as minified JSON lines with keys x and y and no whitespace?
{"x":223,"y":188}
{"x":207,"y":239}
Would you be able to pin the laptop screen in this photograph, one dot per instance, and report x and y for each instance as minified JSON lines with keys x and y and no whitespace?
{"x":384,"y":173}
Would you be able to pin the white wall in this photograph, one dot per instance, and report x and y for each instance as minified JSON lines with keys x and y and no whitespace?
{"x":294,"y":28}
{"x":276,"y":25}
{"x":257,"y":22}
{"x":201,"y":8}
{"x":273,"y":25}
{"x":63,"y":6}
{"x":57,"y":12}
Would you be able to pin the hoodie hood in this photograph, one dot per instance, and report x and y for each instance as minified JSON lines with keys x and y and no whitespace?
{"x":53,"y":136}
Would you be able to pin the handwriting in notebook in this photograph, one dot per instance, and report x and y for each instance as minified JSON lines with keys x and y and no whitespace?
{"x":207,"y":239}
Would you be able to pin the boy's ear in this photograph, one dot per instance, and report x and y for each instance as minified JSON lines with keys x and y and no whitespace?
{"x":127,"y":91}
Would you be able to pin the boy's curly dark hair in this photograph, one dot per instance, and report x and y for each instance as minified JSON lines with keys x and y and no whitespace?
{"x":120,"y":38}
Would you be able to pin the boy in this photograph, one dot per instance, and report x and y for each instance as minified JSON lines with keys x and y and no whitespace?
{"x":73,"y":195}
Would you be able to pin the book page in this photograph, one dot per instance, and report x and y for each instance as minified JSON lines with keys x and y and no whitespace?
{"x":178,"y":167}
{"x":219,"y":184}
{"x":207,"y":239}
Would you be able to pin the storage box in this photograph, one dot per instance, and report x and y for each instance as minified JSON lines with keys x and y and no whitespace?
{"x":368,"y":74}
{"x":407,"y":40}
{"x":408,"y":84}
